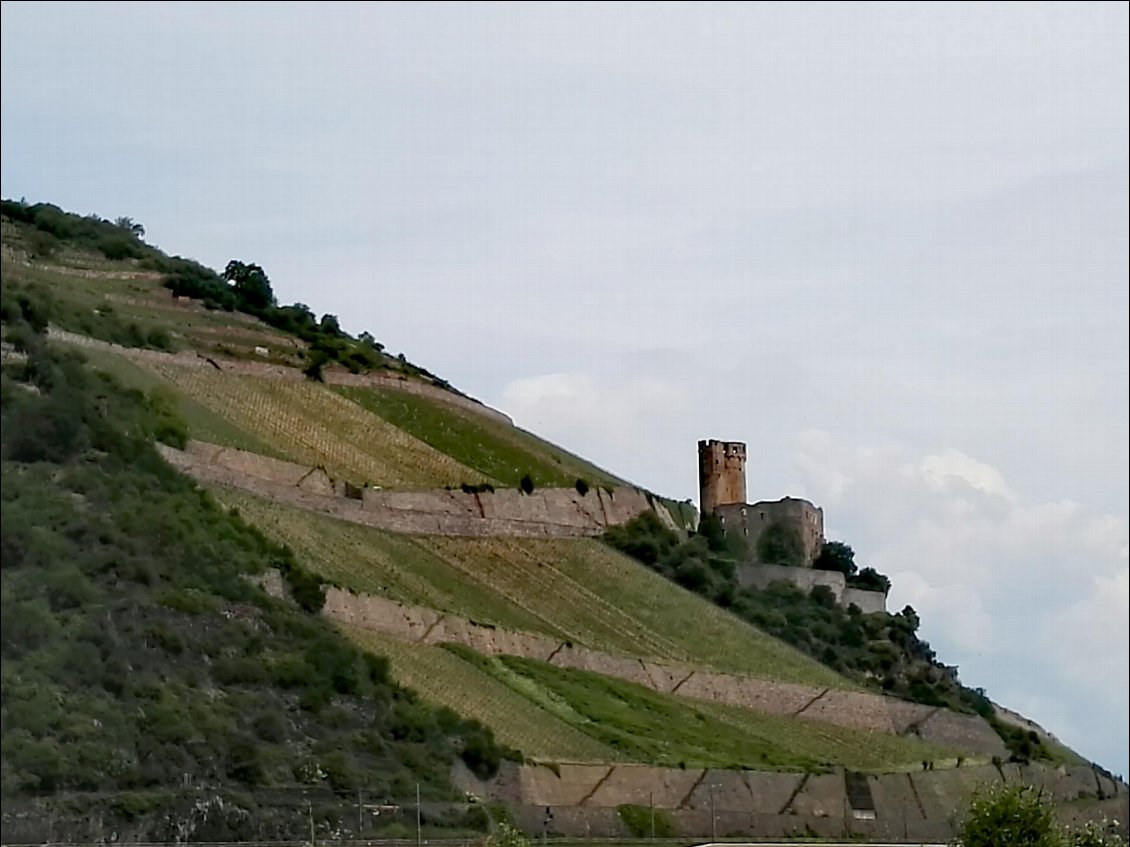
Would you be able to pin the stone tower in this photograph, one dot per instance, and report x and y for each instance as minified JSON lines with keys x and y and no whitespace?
{"x":721,"y":474}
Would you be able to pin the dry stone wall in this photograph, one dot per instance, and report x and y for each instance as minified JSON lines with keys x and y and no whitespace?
{"x":853,"y":709}
{"x":546,"y":513}
{"x":919,"y":806}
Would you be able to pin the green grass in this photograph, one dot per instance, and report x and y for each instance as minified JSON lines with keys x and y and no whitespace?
{"x":443,"y":678}
{"x":493,"y":448}
{"x":577,"y":590}
{"x":645,"y":726}
{"x":371,"y":561}
{"x":684,"y":514}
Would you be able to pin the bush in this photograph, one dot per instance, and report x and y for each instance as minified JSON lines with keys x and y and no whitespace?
{"x":1096,"y":835}
{"x":646,"y":822}
{"x":1010,"y":816}
{"x":526,"y":484}
{"x":780,"y":544}
{"x":507,"y":835}
{"x":582,"y":487}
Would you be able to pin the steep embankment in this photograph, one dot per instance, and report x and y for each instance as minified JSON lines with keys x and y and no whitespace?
{"x":145,"y":675}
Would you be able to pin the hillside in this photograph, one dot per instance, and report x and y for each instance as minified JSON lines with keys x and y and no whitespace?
{"x":258,"y":636}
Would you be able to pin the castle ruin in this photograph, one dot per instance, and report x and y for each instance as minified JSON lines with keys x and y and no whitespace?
{"x":722,"y":492}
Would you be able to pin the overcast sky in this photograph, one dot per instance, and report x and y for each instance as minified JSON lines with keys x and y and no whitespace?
{"x":885,"y":245}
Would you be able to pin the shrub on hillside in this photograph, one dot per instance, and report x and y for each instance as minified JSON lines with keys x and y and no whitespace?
{"x":126,"y":590}
{"x":646,"y":821}
{"x":526,"y":484}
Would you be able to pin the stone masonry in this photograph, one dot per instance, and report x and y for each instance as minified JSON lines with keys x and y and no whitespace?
{"x":545,"y":513}
{"x":920,"y":806}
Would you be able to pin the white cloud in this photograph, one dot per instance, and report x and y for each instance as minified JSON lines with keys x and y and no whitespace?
{"x":941,"y":472}
{"x":1028,"y":598}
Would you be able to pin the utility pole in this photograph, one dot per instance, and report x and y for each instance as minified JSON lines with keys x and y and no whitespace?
{"x":651,"y":807}
{"x":310,"y":816}
{"x":713,"y":819}
{"x":360,"y":818}
{"x":418,"y":819}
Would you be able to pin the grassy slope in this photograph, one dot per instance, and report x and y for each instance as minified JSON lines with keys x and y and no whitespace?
{"x":565,"y":715}
{"x":137,"y":655}
{"x":445,"y":679}
{"x":645,"y":726}
{"x":576,"y":589}
{"x":498,"y":451}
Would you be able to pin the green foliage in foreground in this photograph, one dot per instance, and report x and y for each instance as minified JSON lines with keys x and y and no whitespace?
{"x":881,"y":650}
{"x":1020,"y":816}
{"x":139,"y":655}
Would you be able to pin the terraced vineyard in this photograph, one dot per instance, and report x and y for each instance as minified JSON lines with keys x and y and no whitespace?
{"x":203,"y":423}
{"x":371,"y":561}
{"x":578,"y":590}
{"x":317,"y":426}
{"x":649,"y":727}
{"x":445,"y":679}
{"x":493,"y":448}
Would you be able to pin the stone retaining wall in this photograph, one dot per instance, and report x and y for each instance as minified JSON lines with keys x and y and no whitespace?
{"x":918,"y":806}
{"x":545,"y":513}
{"x":853,"y":709}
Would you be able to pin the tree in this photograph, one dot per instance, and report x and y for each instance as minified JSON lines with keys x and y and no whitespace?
{"x":836,"y":556}
{"x":710,"y":528}
{"x":251,"y":286}
{"x":780,"y":544}
{"x":131,"y":226}
{"x":1010,"y":816}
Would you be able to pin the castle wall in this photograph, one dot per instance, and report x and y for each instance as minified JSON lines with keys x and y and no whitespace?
{"x":868,"y":602}
{"x":762,"y":576}
{"x":750,"y":520}
{"x":721,"y":474}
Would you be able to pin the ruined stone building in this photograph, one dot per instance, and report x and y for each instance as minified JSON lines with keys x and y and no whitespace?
{"x":722,"y":492}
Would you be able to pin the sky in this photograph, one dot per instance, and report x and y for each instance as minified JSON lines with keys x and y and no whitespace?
{"x":884,"y":245}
